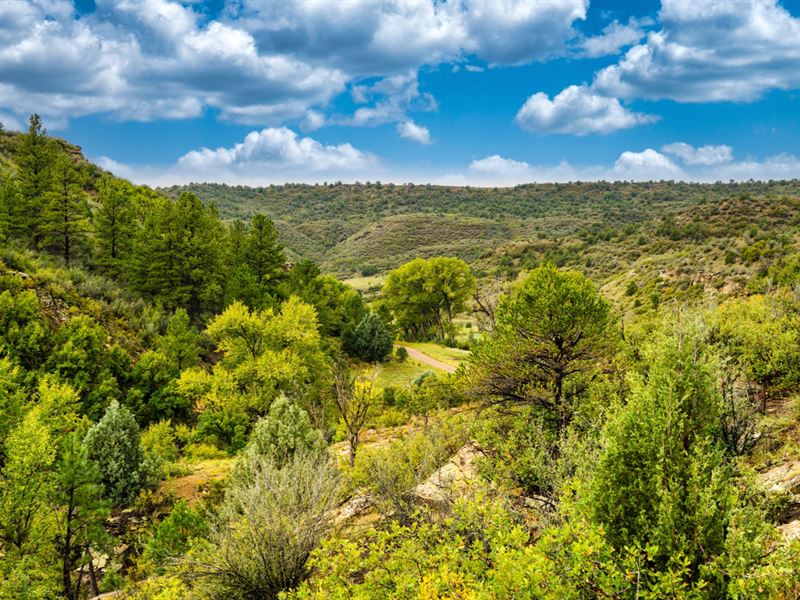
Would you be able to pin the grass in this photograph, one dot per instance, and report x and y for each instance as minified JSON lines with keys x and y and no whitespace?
{"x":364,"y":283}
{"x":400,"y":374}
{"x":449,"y":356}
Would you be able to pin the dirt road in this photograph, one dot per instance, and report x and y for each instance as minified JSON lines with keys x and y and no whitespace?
{"x":428,"y":360}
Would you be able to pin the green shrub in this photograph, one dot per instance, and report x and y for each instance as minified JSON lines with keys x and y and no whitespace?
{"x":267,"y":527}
{"x":371,"y":340}
{"x":114,"y":444}
{"x":173,"y":536}
{"x":285,"y":431}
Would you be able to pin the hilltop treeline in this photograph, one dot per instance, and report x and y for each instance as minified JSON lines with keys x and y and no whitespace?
{"x":599,"y":227}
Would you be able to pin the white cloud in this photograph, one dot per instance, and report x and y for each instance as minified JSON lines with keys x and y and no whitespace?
{"x":390,"y":100}
{"x":117,"y":168}
{"x":704,"y":155}
{"x":279,"y":155}
{"x":647,"y":164}
{"x":411,"y":131}
{"x":276,"y":148}
{"x":151,"y":60}
{"x":579,"y":111}
{"x":474,"y":68}
{"x":384,"y":38}
{"x":313,"y":120}
{"x":262,"y":61}
{"x":707,"y":50}
{"x":496,"y":165}
{"x":11,"y":123}
{"x":614,"y":37}
{"x":519,"y":31}
{"x":779,"y":166}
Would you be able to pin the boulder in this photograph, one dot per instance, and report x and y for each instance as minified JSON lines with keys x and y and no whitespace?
{"x":791,"y":530}
{"x":784,"y":478}
{"x":452,"y":478}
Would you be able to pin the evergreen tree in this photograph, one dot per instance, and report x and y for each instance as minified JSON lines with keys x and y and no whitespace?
{"x":9,"y":205}
{"x":285,"y":431}
{"x":65,"y":218}
{"x":80,"y":512}
{"x":35,"y":158}
{"x":371,"y":340}
{"x":177,"y":255}
{"x":551,"y":331}
{"x":114,"y":221}
{"x":114,"y":444}
{"x":264,"y":254}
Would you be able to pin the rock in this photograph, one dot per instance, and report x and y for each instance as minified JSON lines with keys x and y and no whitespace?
{"x":451,"y":478}
{"x":783,"y":478}
{"x":790,"y":531}
{"x":353,"y":508}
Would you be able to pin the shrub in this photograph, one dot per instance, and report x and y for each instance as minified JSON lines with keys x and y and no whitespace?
{"x":401,"y":353}
{"x":371,"y":340}
{"x":174,"y":535}
{"x":285,"y":431}
{"x":267,"y":527}
{"x":114,"y":444}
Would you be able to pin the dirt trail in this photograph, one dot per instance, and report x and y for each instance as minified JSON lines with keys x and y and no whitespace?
{"x":428,"y":360}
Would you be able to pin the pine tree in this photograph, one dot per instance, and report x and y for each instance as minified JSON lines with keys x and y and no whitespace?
{"x":9,"y":202}
{"x":80,"y":511}
{"x":35,"y":158}
{"x":264,"y":254}
{"x":114,"y":222}
{"x":66,"y":210}
{"x":177,"y":255}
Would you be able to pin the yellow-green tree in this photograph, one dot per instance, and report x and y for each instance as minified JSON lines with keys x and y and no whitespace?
{"x":425,"y":294}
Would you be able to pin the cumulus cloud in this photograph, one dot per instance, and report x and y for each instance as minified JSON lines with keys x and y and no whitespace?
{"x":647,"y":164}
{"x":577,"y":110}
{"x":703,"y":51}
{"x":279,"y":155}
{"x":260,"y":61}
{"x":149,"y":60}
{"x":276,"y":147}
{"x":708,"y":50}
{"x":382,"y":38}
{"x":614,"y":37}
{"x":704,"y":155}
{"x":416,"y":133}
{"x":388,"y":101}
{"x":496,"y":165}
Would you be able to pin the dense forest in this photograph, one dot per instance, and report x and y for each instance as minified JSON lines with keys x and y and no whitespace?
{"x":548,"y":391}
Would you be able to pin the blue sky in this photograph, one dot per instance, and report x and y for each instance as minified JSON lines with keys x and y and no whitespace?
{"x":480,"y":92}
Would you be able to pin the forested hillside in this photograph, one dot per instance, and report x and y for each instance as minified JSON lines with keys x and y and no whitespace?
{"x":604,"y":229}
{"x":573,"y":391}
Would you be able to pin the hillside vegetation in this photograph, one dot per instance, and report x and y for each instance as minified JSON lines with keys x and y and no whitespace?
{"x":708,"y":235}
{"x":578,"y":391}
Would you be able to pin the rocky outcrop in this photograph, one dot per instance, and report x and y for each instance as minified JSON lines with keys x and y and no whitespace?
{"x":791,"y":530}
{"x":783,"y":482}
{"x":783,"y":478}
{"x":451,"y":479}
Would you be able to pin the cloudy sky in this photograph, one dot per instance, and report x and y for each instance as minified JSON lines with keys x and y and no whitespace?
{"x":480,"y":92}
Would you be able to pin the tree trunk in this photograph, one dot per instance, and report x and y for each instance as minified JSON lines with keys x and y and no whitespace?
{"x":93,"y":589}
{"x":353,"y":448}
